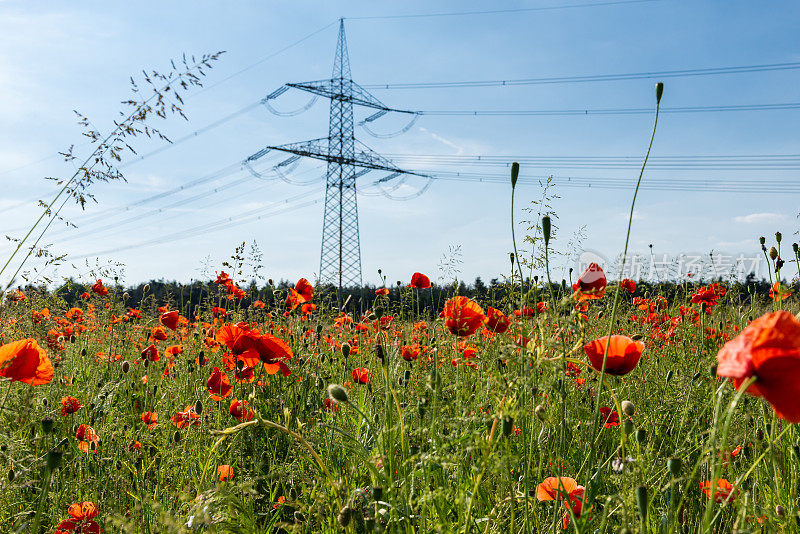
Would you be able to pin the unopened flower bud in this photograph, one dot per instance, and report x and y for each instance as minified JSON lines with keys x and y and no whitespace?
{"x":642,"y":502}
{"x":337,"y":393}
{"x":674,"y":465}
{"x":773,"y":253}
{"x":641,"y":435}
{"x":198,"y":407}
{"x":659,"y":92}
{"x":53,"y":459}
{"x":628,"y":408}
{"x":778,"y":236}
{"x":540,"y":413}
{"x":126,"y":367}
{"x":345,"y":349}
{"x":507,"y":425}
{"x":762,"y":240}
{"x":146,"y":288}
{"x":514,"y":174}
{"x":125,"y":296}
{"x":47,"y":425}
{"x":779,"y":511}
{"x":546,"y":229}
{"x":345,"y":514}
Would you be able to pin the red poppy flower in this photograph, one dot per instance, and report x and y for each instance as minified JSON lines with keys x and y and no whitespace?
{"x":628,"y":285}
{"x":309,"y":307}
{"x":170,"y":319}
{"x":722,"y":490}
{"x":410,"y":352}
{"x":496,"y":321}
{"x":158,"y":334}
{"x":591,"y":284}
{"x":564,"y":488}
{"x":383,"y":291}
{"x":623,"y":354}
{"x":305,"y":289}
{"x":218,"y":384}
{"x":462,"y":316}
{"x":219,"y":312}
{"x":150,"y":419}
{"x":241,"y":410}
{"x":81,"y":523}
{"x":420,"y":281}
{"x":223,"y":278}
{"x":85,"y":295}
{"x":225,"y":472}
{"x":361,"y":375}
{"x":25,"y":361}
{"x":99,"y":288}
{"x":610,"y":418}
{"x":69,"y":405}
{"x":768,"y":348}
{"x":186,"y":418}
{"x":173,"y":350}
{"x":779,"y":292}
{"x":705,"y":295}
{"x":251,"y":347}
{"x":74,"y":314}
{"x":151,"y":353}
{"x":259,"y":305}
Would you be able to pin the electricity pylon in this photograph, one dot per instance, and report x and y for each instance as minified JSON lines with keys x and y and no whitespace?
{"x":340,"y":257}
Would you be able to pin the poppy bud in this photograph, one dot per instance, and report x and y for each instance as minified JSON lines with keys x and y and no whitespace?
{"x":669,"y":375}
{"x":773,"y":253}
{"x":507,"y":425}
{"x":762,"y":240}
{"x":641,"y":435}
{"x":126,"y":367}
{"x":713,"y":370}
{"x":83,"y":351}
{"x":198,"y":407}
{"x":779,"y":511}
{"x":270,"y":282}
{"x":11,"y":475}
{"x":338,"y":393}
{"x":53,"y":460}
{"x":778,"y":236}
{"x":47,"y":425}
{"x":794,"y":247}
{"x":659,"y":92}
{"x":637,"y":337}
{"x":406,"y":376}
{"x":377,"y":493}
{"x":511,"y":256}
{"x":379,"y":352}
{"x":345,"y":349}
{"x":641,"y":502}
{"x":146,"y":288}
{"x":514,"y":174}
{"x":546,"y":229}
{"x":674,"y":465}
{"x":379,"y":311}
{"x":125,"y":296}
{"x":345,"y":514}
{"x":540,"y":413}
{"x":176,"y":436}
{"x":628,"y":426}
{"x":628,"y":408}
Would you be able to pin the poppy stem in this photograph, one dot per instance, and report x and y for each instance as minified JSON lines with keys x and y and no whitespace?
{"x":592,"y":448}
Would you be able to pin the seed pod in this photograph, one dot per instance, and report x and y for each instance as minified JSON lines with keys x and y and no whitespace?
{"x":540,"y":413}
{"x":628,"y":426}
{"x":675,"y":465}
{"x":778,"y":236}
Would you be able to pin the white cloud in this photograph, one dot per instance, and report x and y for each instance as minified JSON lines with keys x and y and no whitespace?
{"x":756,"y":218}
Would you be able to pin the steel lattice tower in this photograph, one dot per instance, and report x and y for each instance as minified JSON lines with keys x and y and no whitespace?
{"x":347,"y":159}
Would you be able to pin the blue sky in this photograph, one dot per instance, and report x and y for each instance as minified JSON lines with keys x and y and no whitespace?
{"x":58,"y":57}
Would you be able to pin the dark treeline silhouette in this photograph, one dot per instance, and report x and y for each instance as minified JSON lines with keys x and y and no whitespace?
{"x":496,"y":293}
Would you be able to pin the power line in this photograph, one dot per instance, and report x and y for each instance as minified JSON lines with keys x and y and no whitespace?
{"x":681,"y":73}
{"x":498,"y":11}
{"x":612,"y":111}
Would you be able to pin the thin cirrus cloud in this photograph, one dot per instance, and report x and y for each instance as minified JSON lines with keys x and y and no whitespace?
{"x":757,"y":218}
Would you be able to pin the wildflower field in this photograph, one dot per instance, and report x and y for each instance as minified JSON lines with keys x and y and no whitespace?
{"x":287,"y":410}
